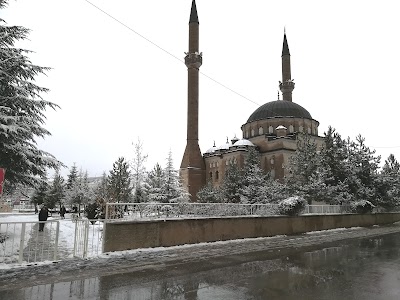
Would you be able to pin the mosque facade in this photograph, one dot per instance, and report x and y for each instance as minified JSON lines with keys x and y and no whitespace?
{"x":272,"y":129}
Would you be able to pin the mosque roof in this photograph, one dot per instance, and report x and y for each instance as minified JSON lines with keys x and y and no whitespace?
{"x":243,"y":142}
{"x":279,"y":109}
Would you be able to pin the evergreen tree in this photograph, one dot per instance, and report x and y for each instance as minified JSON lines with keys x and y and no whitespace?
{"x":101,"y":196}
{"x":40,"y":193}
{"x":208,"y":194}
{"x":173,"y":188}
{"x":155,"y":185}
{"x":21,"y":112}
{"x":388,"y":186}
{"x":232,"y":184}
{"x":55,"y":194}
{"x":253,"y":184}
{"x":72,"y":176}
{"x":363,"y":167}
{"x":274,"y":191}
{"x":119,"y":182}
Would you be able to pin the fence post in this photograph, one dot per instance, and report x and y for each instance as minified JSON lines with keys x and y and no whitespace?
{"x":21,"y":244}
{"x":106,"y":211}
{"x":86,"y":239}
{"x":56,"y":241}
{"x":76,"y":237}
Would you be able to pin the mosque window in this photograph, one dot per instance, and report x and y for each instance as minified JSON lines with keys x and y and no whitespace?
{"x":270,"y":129}
{"x":210,"y":165}
{"x":211,"y":175}
{"x":309,"y":130}
{"x":252,"y":132}
{"x":291,"y":129}
{"x":227,"y":162}
{"x":260,"y":131}
{"x":272,"y":174}
{"x":217,"y":164}
{"x":216,"y":175}
{"x":247,"y":134}
{"x":300,"y":128}
{"x":314,"y":132}
{"x":272,"y":161}
{"x":235,"y":161}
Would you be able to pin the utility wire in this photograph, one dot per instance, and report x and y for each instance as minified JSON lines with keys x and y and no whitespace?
{"x":166,"y":51}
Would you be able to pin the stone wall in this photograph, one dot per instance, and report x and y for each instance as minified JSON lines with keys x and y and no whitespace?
{"x":119,"y":236}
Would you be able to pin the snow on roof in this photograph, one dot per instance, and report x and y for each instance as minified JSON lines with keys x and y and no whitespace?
{"x":211,"y":150}
{"x":225,"y":146}
{"x":281,"y":127}
{"x":243,"y":142}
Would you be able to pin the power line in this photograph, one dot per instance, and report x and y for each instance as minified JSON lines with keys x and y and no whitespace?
{"x":166,"y":51}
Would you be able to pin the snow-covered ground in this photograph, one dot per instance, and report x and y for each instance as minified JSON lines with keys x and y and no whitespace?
{"x":10,"y":230}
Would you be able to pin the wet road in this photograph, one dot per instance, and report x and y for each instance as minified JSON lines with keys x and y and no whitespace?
{"x":351,"y":264}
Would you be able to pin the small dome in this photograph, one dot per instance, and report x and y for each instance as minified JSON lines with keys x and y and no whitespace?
{"x":211,"y":150}
{"x":279,"y":109}
{"x":281,"y":127}
{"x":225,"y":146}
{"x":243,"y":142}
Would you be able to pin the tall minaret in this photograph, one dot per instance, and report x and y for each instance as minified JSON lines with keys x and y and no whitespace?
{"x":287,"y":84}
{"x":192,"y":170}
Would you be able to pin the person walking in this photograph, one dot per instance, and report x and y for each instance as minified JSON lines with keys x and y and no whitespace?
{"x":62,"y":212}
{"x":43,"y":215}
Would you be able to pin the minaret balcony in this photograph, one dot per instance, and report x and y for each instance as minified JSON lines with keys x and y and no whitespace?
{"x":193,"y":60}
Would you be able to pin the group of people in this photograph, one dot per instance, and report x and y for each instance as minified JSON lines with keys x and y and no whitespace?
{"x":44,"y":214}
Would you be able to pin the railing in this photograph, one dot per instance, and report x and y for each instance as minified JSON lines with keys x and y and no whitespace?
{"x":23,"y":242}
{"x":88,"y":238}
{"x":327,"y":209}
{"x":143,"y":211}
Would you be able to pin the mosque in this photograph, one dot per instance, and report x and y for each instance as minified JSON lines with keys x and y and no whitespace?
{"x":272,"y":128}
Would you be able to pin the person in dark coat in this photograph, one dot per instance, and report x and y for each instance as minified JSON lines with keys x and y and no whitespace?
{"x":62,"y":212}
{"x":43,"y":215}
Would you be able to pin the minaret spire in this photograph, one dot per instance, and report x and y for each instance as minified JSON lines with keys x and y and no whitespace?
{"x":192,"y":170}
{"x":193,"y":14}
{"x":287,"y":84}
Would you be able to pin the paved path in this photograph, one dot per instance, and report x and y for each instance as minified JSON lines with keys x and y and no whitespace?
{"x":160,"y":258}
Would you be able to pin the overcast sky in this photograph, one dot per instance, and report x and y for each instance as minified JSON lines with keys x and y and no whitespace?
{"x":114,"y":87}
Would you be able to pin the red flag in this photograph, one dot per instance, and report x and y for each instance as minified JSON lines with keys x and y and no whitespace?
{"x":2,"y":175}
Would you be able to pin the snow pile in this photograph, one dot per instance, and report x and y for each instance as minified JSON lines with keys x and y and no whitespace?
{"x":292,"y":206}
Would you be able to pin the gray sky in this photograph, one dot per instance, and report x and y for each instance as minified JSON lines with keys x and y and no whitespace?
{"x":114,"y":87}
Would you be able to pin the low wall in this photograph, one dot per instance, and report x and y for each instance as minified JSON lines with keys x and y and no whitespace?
{"x":127,"y":235}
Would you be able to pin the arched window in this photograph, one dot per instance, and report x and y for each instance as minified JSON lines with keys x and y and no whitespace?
{"x":246,"y":134}
{"x":273,"y":174}
{"x":252,"y":132}
{"x":210,"y":175}
{"x":300,"y":128}
{"x":270,"y":129}
{"x":309,"y":130}
{"x":260,"y":131}
{"x":216,"y":175}
{"x":291,"y":129}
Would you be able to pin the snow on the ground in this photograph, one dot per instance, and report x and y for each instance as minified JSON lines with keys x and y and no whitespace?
{"x":10,"y":230}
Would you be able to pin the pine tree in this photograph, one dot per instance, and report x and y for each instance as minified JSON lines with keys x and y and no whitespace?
{"x":40,"y":193}
{"x":72,"y":176}
{"x":174,"y":190}
{"x":274,"y":191}
{"x":119,"y":182}
{"x":363,"y":167}
{"x":252,"y":190}
{"x":208,"y":194}
{"x":155,"y":185}
{"x":232,"y":184}
{"x":388,"y":184}
{"x":55,"y":194}
{"x":21,"y":112}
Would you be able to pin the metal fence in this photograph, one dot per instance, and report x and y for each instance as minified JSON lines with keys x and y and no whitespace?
{"x":143,"y":211}
{"x":23,"y":242}
{"x":88,"y":238}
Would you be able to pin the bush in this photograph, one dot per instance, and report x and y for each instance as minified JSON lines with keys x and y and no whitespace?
{"x":362,"y":207}
{"x":292,"y":206}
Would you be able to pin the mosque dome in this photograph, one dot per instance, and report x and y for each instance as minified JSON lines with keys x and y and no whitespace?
{"x":279,"y":109}
{"x":225,"y":146}
{"x":211,"y":150}
{"x":243,"y":142}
